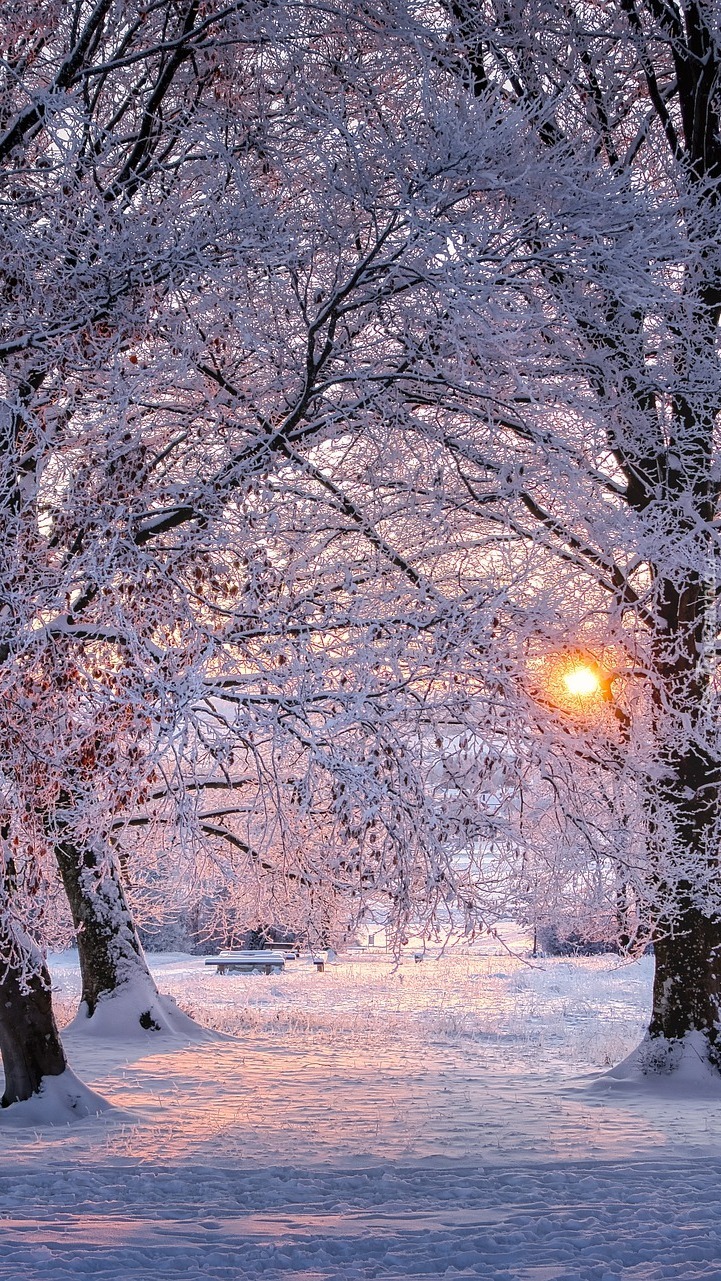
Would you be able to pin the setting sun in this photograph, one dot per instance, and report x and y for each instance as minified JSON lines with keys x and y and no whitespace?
{"x":581,"y":681}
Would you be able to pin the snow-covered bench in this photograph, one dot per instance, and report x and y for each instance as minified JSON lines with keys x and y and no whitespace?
{"x":260,"y":962}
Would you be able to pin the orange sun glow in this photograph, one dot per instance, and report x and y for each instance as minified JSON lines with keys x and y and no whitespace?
{"x":581,"y":681}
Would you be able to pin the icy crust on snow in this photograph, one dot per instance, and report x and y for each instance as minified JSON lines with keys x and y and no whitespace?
{"x":60,"y":1100}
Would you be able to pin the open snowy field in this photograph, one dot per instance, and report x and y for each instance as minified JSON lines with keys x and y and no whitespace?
{"x":442,"y":1119}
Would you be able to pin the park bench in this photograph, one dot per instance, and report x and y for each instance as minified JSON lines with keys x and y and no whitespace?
{"x":289,"y":950}
{"x":256,"y":962}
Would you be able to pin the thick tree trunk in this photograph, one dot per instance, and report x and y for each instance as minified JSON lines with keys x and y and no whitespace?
{"x":119,"y":995}
{"x":687,"y":940}
{"x":111,"y":955}
{"x":687,"y":986}
{"x":29,"y":1039}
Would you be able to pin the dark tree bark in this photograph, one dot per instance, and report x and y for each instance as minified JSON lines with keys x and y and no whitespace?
{"x":687,"y":940}
{"x":29,"y":1040}
{"x":687,"y":984}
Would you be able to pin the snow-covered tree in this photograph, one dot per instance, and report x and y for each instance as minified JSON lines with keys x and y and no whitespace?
{"x":119,"y":125}
{"x":558,"y":396}
{"x":579,"y":416}
{"x":359,"y":387}
{"x":206,"y":276}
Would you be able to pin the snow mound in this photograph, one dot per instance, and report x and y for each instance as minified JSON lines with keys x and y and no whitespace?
{"x":59,"y":1101}
{"x":678,"y":1067}
{"x":134,"y":1012}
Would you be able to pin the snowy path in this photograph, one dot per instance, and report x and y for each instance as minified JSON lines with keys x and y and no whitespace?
{"x":437,"y":1121}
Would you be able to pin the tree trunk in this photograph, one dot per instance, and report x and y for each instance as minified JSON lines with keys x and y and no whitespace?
{"x":687,"y":985}
{"x":29,"y":1039}
{"x":687,"y":940}
{"x":110,"y":951}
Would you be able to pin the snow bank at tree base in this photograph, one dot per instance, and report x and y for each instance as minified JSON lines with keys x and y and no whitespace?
{"x":60,"y":1100}
{"x":682,"y":1067}
{"x":137,"y":1012}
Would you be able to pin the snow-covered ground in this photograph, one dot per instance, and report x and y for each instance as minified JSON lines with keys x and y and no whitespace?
{"x":442,"y":1119}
